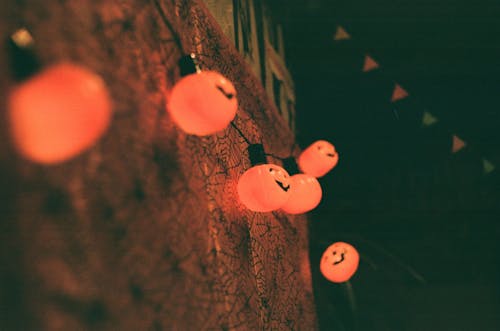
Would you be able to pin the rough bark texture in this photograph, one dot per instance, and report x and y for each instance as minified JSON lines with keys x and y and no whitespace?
{"x":144,"y":231}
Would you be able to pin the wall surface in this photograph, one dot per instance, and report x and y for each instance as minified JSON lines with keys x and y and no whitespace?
{"x":144,"y":231}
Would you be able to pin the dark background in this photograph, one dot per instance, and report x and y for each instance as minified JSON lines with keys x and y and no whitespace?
{"x":424,"y":220}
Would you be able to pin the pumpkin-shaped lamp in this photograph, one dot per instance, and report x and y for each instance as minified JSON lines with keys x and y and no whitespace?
{"x":264,"y":188}
{"x":305,"y":194}
{"x":202,"y":102}
{"x":318,"y":159}
{"x":339,"y":262}
{"x":58,"y":112}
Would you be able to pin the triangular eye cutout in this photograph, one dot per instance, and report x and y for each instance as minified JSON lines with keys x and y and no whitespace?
{"x":341,"y":34}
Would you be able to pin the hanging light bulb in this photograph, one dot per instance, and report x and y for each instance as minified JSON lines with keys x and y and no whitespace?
{"x":318,"y":159}
{"x":202,"y":102}
{"x":264,"y":187}
{"x":55,"y":113}
{"x":339,"y":262}
{"x":305,"y":194}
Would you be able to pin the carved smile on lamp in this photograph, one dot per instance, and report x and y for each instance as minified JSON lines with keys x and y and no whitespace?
{"x":283,"y":187}
{"x":336,"y":260}
{"x":277,"y":173}
{"x":264,"y":188}
{"x":228,"y":95}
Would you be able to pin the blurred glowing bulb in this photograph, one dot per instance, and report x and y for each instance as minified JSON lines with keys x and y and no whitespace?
{"x":58,"y":113}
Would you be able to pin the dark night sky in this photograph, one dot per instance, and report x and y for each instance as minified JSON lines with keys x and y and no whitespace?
{"x":398,"y":194}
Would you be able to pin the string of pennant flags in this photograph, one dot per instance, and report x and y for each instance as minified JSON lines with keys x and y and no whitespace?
{"x":399,"y":93}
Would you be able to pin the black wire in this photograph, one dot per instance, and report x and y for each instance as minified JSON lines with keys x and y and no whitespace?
{"x":275,"y":156}
{"x":284,"y":158}
{"x":241,"y":133}
{"x":165,"y":20}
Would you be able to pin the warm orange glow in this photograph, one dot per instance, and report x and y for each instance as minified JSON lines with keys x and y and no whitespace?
{"x":264,"y":187}
{"x":58,"y":113}
{"x":203,"y":103}
{"x":305,"y":194}
{"x":318,"y":159}
{"x":339,"y":262}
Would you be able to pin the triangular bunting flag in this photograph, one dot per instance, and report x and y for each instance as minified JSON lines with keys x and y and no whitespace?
{"x":458,"y":144}
{"x":398,"y":93}
{"x":428,"y":119}
{"x":370,"y":64}
{"x":488,"y":166}
{"x":341,"y":34}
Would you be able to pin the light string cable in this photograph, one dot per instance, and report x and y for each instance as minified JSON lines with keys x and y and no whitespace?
{"x":175,"y":36}
{"x":282,"y":159}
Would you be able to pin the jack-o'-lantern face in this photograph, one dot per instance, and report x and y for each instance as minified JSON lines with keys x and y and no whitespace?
{"x":203,"y":103}
{"x":339,"y":262}
{"x":264,"y":187}
{"x":280,"y":177}
{"x":305,"y":194}
{"x":318,"y":159}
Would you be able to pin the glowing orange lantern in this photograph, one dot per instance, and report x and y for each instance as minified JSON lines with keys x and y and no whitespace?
{"x":58,"y":113}
{"x":305,"y":194}
{"x":318,"y":159}
{"x":339,"y":262}
{"x":203,"y":103}
{"x":264,"y":187}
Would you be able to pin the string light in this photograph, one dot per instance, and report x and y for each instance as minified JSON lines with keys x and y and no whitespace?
{"x":264,"y":187}
{"x":339,"y":262}
{"x":55,"y":113}
{"x":59,"y":112}
{"x":305,"y":194}
{"x":318,"y":159}
{"x":203,"y":102}
{"x":304,"y":190}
